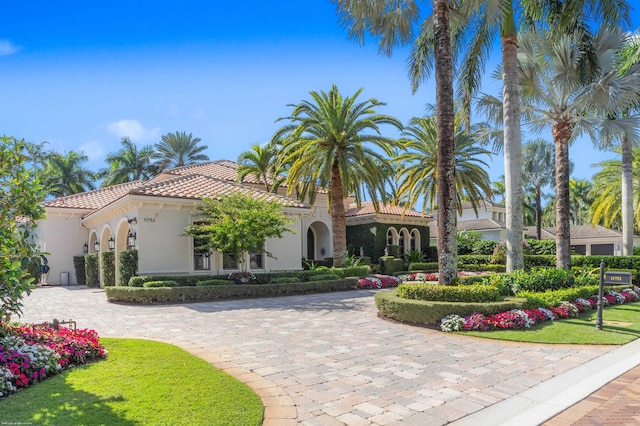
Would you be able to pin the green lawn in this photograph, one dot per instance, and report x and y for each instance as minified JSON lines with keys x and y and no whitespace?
{"x":621,"y":325}
{"x":141,"y":382}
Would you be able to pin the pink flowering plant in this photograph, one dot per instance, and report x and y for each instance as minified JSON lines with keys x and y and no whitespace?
{"x":379,"y":281}
{"x":29,"y":354}
{"x":527,"y":318}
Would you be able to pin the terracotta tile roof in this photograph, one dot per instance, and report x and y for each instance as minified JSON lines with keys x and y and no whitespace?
{"x":93,"y":200}
{"x":367,"y":208}
{"x":220,"y":169}
{"x":197,"y":186}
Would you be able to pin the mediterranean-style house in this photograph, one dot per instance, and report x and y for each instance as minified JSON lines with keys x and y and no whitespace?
{"x":151,"y":217}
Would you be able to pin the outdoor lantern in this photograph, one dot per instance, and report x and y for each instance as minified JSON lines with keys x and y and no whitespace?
{"x":96,"y":246}
{"x":131,"y":240}
{"x":112,"y":244}
{"x":85,"y":248}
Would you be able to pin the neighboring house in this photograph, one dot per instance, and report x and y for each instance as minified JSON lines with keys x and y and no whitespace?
{"x":369,"y":232}
{"x":151,"y":216}
{"x":589,"y":240}
{"x":489,"y":221}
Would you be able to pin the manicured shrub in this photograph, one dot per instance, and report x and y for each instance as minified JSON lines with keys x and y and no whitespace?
{"x":470,"y":259}
{"x":424,"y":266}
{"x":108,"y":263}
{"x":284,"y":280}
{"x":91,"y":270}
{"x":533,"y":261}
{"x":535,"y":280}
{"x":356,"y":271}
{"x":128,"y":265}
{"x":79,"y":267}
{"x":542,"y":246}
{"x":440,"y":293}
{"x":213,"y":282}
{"x":554,"y":297}
{"x":324,"y":277}
{"x":389,"y":265}
{"x":483,"y":247}
{"x":154,"y":284}
{"x":391,"y":306}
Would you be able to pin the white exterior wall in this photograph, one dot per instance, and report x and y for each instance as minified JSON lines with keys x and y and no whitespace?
{"x":62,"y":236}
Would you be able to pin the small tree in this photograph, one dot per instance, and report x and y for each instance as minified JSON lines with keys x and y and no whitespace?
{"x":238,"y":224}
{"x":20,"y":208}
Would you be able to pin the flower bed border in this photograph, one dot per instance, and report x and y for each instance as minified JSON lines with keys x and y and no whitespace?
{"x":430,"y":313}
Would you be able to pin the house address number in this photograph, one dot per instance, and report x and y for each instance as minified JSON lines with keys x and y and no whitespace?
{"x":150,"y":219}
{"x":617,"y":277}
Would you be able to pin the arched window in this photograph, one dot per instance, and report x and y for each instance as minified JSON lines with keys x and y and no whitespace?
{"x":390,"y":236}
{"x":415,"y":240}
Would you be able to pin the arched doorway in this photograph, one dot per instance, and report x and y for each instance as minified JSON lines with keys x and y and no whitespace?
{"x":318,"y":243}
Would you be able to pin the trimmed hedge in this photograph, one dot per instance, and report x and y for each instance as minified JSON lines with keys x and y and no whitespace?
{"x":284,"y":280}
{"x":324,"y":277}
{"x":79,"y":267}
{"x":128,"y":265}
{"x":355,"y":271}
{"x":430,"y":312}
{"x":108,"y":266}
{"x":92,"y":271}
{"x":423,"y":266}
{"x":217,"y":292}
{"x":539,"y":260}
{"x":614,"y":263}
{"x":156,"y":284}
{"x":473,"y":259}
{"x":389,"y":265}
{"x":444,"y":293}
{"x":213,"y":282}
{"x":536,"y":280}
{"x":554,"y":297}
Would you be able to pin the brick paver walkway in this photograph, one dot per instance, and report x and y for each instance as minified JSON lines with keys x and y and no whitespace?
{"x":325,"y":359}
{"x":617,"y":403}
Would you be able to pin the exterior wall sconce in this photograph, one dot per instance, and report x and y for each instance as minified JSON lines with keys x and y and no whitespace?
{"x":85,"y":248}
{"x":131,"y":240}
{"x":133,"y":221}
{"x":96,"y":246}
{"x":112,"y":244}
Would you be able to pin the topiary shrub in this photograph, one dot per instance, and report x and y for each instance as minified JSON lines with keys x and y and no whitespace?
{"x":92,"y":271}
{"x":128,"y":265}
{"x":79,"y":267}
{"x":155,"y":284}
{"x":442,"y":293}
{"x":423,"y":266}
{"x":108,"y":261}
{"x":356,"y":271}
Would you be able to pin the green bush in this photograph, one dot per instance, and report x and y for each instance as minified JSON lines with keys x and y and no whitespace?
{"x":471,"y":259}
{"x":483,"y":247}
{"x":91,"y":270}
{"x":217,"y":292}
{"x":108,"y":263}
{"x":79,"y":267}
{"x":441,"y":293}
{"x":535,"y":280}
{"x":284,"y":280}
{"x":430,"y":312}
{"x":356,"y":271}
{"x":613,"y":263}
{"x":389,"y":265}
{"x":470,"y":280}
{"x":394,"y":251}
{"x":483,"y":268}
{"x":128,"y":265}
{"x":423,"y":266}
{"x":213,"y":282}
{"x":532,"y":261}
{"x":154,"y":284}
{"x":324,"y":277}
{"x":542,"y":246}
{"x":554,"y":297}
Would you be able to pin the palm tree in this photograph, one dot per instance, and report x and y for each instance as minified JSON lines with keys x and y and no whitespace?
{"x":555,"y":90}
{"x":65,"y":175}
{"x":580,"y":200}
{"x":259,"y":162}
{"x":128,"y":164}
{"x":537,"y":167}
{"x":418,"y":174}
{"x":392,"y":23}
{"x":607,"y":206}
{"x":178,"y":149}
{"x":326,"y":145}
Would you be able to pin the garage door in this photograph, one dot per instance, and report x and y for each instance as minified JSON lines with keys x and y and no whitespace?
{"x":602,"y":249}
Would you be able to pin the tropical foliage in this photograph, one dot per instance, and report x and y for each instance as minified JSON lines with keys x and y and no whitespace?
{"x":330,"y":142}
{"x":64,"y":174}
{"x":128,"y":164}
{"x":260,"y":163}
{"x":178,"y":149}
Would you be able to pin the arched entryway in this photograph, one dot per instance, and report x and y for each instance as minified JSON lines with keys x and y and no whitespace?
{"x":318,"y":242}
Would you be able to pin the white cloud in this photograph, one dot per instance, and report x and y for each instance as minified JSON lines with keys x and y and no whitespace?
{"x":134,"y":130}
{"x":94,"y":150}
{"x":8,"y":48}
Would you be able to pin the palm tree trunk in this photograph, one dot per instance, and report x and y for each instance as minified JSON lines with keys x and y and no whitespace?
{"x":561,"y":135}
{"x":447,"y":240}
{"x":627,"y":197}
{"x":338,"y":220}
{"x":538,"y":214}
{"x":512,"y":146}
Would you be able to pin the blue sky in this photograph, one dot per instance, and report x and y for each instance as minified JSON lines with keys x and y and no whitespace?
{"x":81,"y":75}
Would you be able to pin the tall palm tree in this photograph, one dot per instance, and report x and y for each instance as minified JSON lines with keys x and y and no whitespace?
{"x":64,"y":174}
{"x":327,"y":144}
{"x":179,"y":149}
{"x":259,"y":162}
{"x":418,"y":174}
{"x":607,"y":206}
{"x":537,"y":166}
{"x":128,"y":164}
{"x":580,"y":200}
{"x":555,"y":89}
{"x":393,"y":24}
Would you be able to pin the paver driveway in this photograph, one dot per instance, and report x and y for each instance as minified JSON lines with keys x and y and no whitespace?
{"x":324,"y":359}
